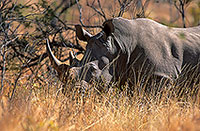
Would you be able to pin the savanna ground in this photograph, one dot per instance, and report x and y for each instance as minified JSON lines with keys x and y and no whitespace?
{"x":31,"y":96}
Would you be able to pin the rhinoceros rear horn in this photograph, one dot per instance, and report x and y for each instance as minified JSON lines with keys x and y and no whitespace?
{"x":82,"y":34}
{"x":108,"y":27}
{"x":73,"y":60}
{"x":60,"y":67}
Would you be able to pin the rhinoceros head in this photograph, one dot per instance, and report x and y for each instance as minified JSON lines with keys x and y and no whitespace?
{"x":97,"y":62}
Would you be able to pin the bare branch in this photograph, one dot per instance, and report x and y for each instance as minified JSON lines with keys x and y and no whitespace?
{"x":182,"y":4}
{"x":3,"y":53}
{"x":15,"y":85}
{"x":80,"y":17}
{"x":122,"y":8}
{"x":99,"y":3}
{"x":101,"y":12}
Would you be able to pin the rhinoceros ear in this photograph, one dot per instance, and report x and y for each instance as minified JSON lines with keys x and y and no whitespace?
{"x":82,"y":34}
{"x":108,"y":27}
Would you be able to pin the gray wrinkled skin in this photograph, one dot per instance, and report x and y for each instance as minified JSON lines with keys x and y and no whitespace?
{"x":126,"y":46}
{"x":131,"y":44}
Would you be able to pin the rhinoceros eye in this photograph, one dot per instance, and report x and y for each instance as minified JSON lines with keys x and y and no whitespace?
{"x":100,"y":43}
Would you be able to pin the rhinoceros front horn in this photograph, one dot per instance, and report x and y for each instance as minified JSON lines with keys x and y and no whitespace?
{"x":59,"y":66}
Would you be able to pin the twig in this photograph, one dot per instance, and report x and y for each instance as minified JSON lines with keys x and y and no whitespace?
{"x":15,"y":86}
{"x":3,"y":70}
{"x":99,"y":3}
{"x":181,"y":10}
{"x":122,"y":8}
{"x":80,"y":18}
{"x":101,"y":13}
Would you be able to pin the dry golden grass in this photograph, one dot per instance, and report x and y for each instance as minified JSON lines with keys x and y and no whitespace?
{"x":46,"y":108}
